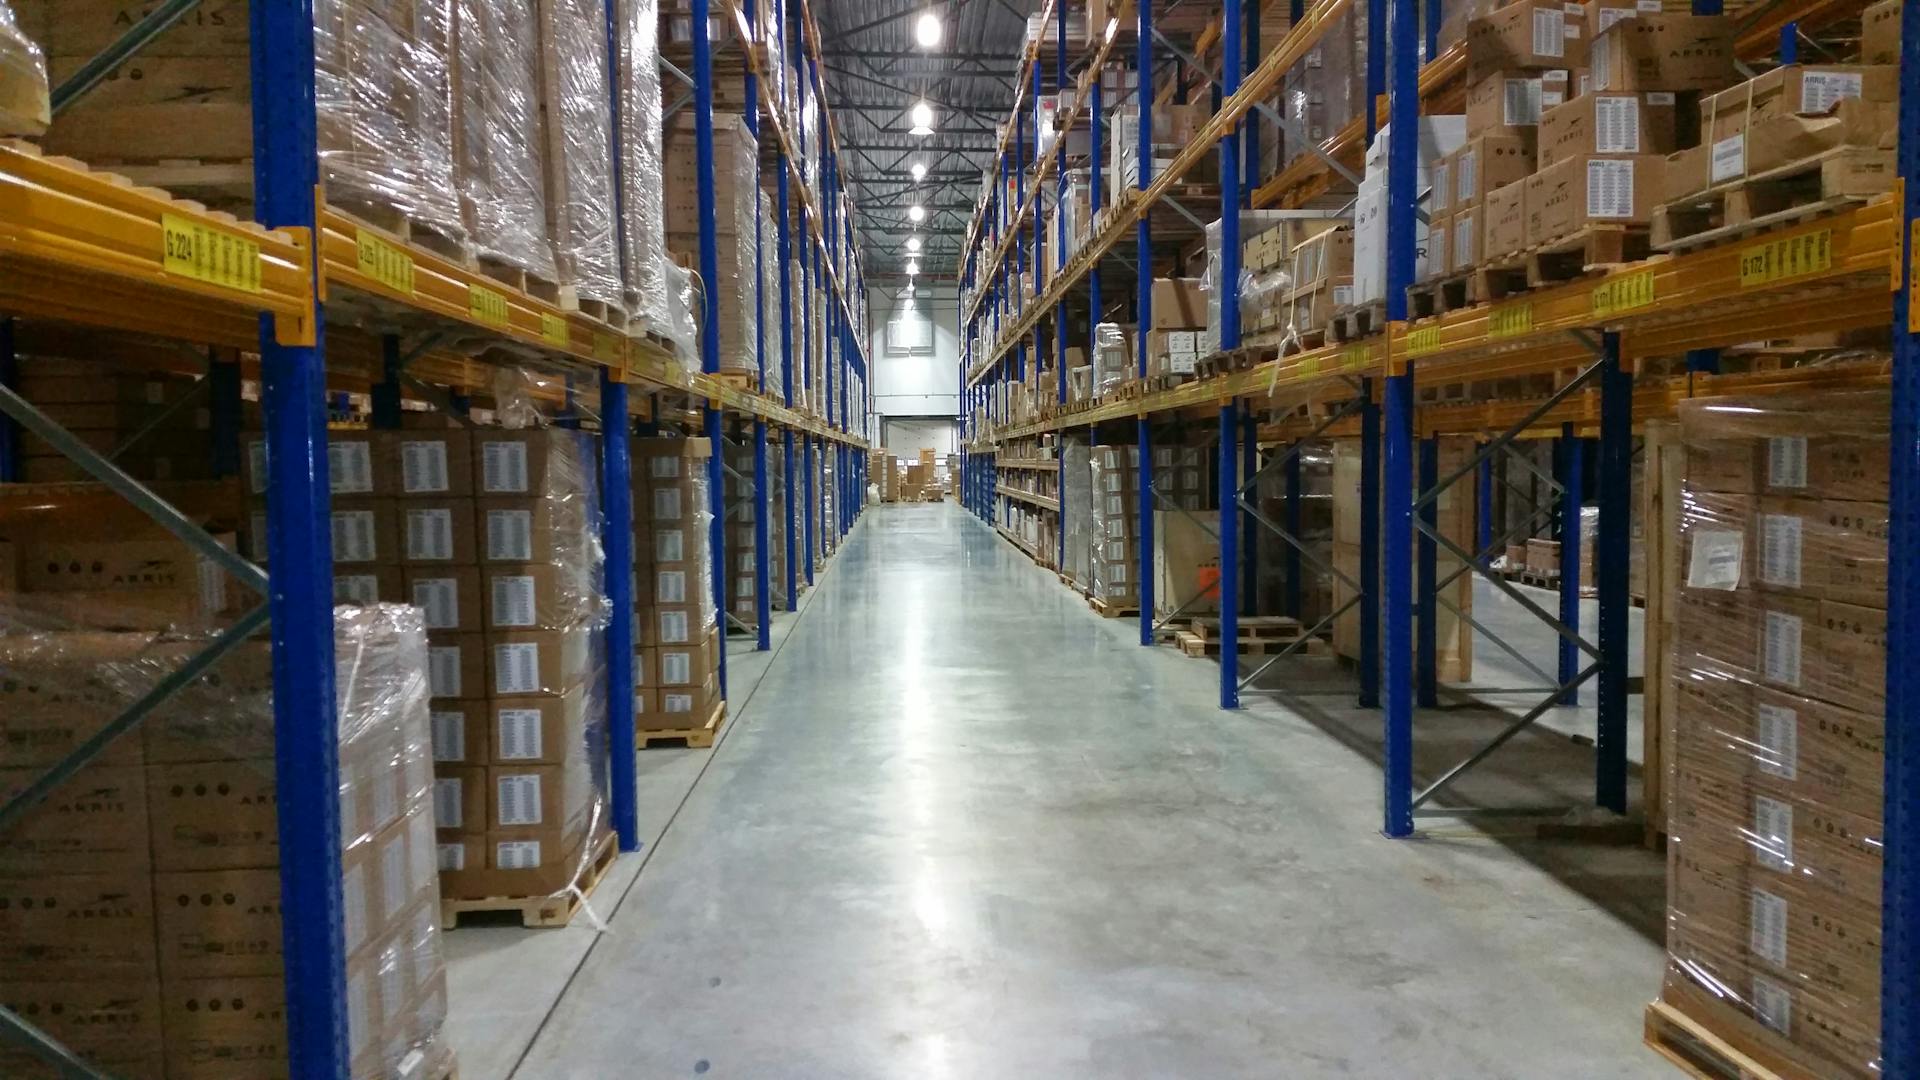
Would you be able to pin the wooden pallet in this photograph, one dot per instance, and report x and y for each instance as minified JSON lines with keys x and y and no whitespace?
{"x":1823,"y":184}
{"x":1359,"y":320}
{"x":612,"y":313}
{"x":693,"y":738}
{"x":539,"y":911}
{"x":1443,"y":295}
{"x":1112,"y":611}
{"x":515,"y":276}
{"x":1591,"y":250}
{"x":1698,"y":1050}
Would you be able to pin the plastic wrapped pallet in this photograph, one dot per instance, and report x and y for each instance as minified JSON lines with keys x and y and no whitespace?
{"x":770,"y":298}
{"x":1113,"y":359}
{"x":736,"y":206}
{"x":1327,"y":89}
{"x":1113,"y":546}
{"x":642,"y":168}
{"x":124,"y":995}
{"x":24,"y":106}
{"x":1779,"y":664}
{"x":678,"y":641}
{"x":1262,"y":289}
{"x":498,"y":144}
{"x":576,"y":107}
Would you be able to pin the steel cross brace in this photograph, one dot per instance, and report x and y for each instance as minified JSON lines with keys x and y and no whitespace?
{"x":95,"y":71}
{"x":1515,"y":728}
{"x":46,"y":1048}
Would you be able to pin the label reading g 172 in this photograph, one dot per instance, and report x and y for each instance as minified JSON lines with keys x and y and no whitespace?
{"x":1787,"y":258}
{"x":486,"y":305}
{"x":192,"y":250}
{"x":1625,"y":293}
{"x":1422,"y":341}
{"x":1510,"y":321}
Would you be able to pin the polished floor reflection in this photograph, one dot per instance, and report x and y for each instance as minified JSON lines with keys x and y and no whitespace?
{"x":965,"y":828}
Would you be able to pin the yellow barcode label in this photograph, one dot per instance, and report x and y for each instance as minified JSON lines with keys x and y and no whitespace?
{"x":385,"y":262}
{"x":486,"y":305}
{"x":554,"y":329}
{"x":203,"y":253}
{"x":1620,"y":294}
{"x":1356,"y":356}
{"x":1422,"y":341}
{"x":1786,"y":258}
{"x":1511,"y":320}
{"x":606,"y":347}
{"x":1309,"y":365}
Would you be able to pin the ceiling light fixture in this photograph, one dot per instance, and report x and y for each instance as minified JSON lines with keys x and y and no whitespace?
{"x":919,"y":172}
{"x":916,"y":213}
{"x":913,"y":244}
{"x":912,"y":269}
{"x":927,"y":31}
{"x":922,"y":116}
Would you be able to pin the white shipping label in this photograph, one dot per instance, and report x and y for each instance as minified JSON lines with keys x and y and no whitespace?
{"x":1773,"y":833}
{"x":353,"y":904}
{"x":676,"y":703}
{"x":1661,"y":97}
{"x":666,"y":504}
{"x":1767,"y":927}
{"x":1442,"y":186}
{"x":516,"y":668}
{"x":673,"y":628}
{"x":1616,"y":124}
{"x":447,"y":803}
{"x":664,"y":467}
{"x":1822,"y":90}
{"x":1777,"y":730}
{"x":393,"y":876}
{"x":211,"y":581}
{"x":1780,"y":550}
{"x":743,"y":588}
{"x":1772,"y":1005}
{"x":356,"y":589}
{"x":1649,"y":7}
{"x":1466,"y":183}
{"x":1549,"y":32}
{"x":449,"y":736}
{"x":1463,"y":253}
{"x":503,"y":467}
{"x":439,"y":598}
{"x":513,"y":603}
{"x":1787,"y":461}
{"x":423,"y":466}
{"x":1523,"y":99}
{"x":1609,"y":188}
{"x":1780,"y":649}
{"x":1728,"y":160}
{"x":670,"y":587}
{"x":519,"y":733}
{"x":360,"y":999}
{"x":1342,"y":295}
{"x":257,"y":467}
{"x":1181,"y":363}
{"x":430,"y":534}
{"x":453,"y":857}
{"x":517,"y":855}
{"x":676,"y":668}
{"x":1550,"y":99}
{"x":350,"y":468}
{"x":669,"y":545}
{"x":1600,"y":57}
{"x":353,"y":536}
{"x":443,"y":671}
{"x":518,"y":800}
{"x":510,"y":535}
{"x":1715,"y":560}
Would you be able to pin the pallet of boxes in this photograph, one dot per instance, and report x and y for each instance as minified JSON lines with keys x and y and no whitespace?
{"x":1776,"y":747}
{"x":1113,"y":544}
{"x":147,"y":935}
{"x":677,"y":639}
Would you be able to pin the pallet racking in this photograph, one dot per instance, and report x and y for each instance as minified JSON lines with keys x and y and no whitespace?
{"x":89,"y":255}
{"x":1846,"y":270}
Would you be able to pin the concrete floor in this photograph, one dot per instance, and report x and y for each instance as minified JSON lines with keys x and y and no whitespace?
{"x":964,"y":828}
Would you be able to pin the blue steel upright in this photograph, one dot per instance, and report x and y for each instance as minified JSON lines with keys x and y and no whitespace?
{"x":1403,"y":110}
{"x":762,"y":557}
{"x":710,"y":315}
{"x":616,"y":507}
{"x":1900,"y":881}
{"x":1572,"y":471}
{"x":300,"y":550}
{"x":1229,"y":287}
{"x":783,"y":240}
{"x":1610,"y":558}
{"x":1143,"y":237}
{"x":1369,"y":664}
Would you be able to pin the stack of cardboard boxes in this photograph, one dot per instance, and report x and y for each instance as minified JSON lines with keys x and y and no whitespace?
{"x":677,"y":637}
{"x":1113,"y":564}
{"x":742,"y":541}
{"x":1774,"y":856}
{"x":102,"y":405}
{"x":736,"y":232}
{"x":147,"y":932}
{"x":1321,"y":267}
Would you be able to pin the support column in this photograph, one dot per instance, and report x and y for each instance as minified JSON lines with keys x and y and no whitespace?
{"x":1426,"y":601}
{"x":1483,"y":509}
{"x":616,"y":539}
{"x":1402,"y":160}
{"x":1369,"y":549}
{"x":1229,"y":551}
{"x":1143,"y":239}
{"x":1610,"y":559}
{"x":1571,"y":464}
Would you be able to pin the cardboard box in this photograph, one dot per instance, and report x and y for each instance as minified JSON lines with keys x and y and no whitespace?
{"x":1827,"y":466}
{"x":1794,"y":90}
{"x":681,"y":624}
{"x":1812,"y":753}
{"x":1509,"y":104}
{"x":1853,"y":656}
{"x":1186,"y":563}
{"x":459,"y":800}
{"x":1506,"y":220}
{"x":534,"y":596}
{"x":365,"y":531}
{"x":438,"y":532}
{"x":116,"y":573}
{"x":456,"y":665}
{"x":537,"y":662}
{"x":364,"y":584}
{"x":55,"y":699}
{"x":1601,"y":14}
{"x":117,"y":943}
{"x":522,"y":529}
{"x":114,"y":1024}
{"x":213,"y":815}
{"x":1664,"y":52}
{"x":525,"y":800}
{"x":1486,"y":162}
{"x":1439,"y":256}
{"x":535,"y":461}
{"x":1609,"y":123}
{"x":460,"y":732}
{"x":1826,"y":549}
{"x":94,"y":823}
{"x":225,"y":1029}
{"x":681,"y":708}
{"x":684,"y":665}
{"x":528,"y":866}
{"x":1466,"y":248}
{"x":678,"y":547}
{"x":538,"y":730}
{"x":219,"y":924}
{"x":1526,"y":34}
{"x":1589,"y":190}
{"x":1880,"y":33}
{"x":428,"y":464}
{"x":353,"y":469}
{"x":448,"y":596}
{"x":1178,"y":304}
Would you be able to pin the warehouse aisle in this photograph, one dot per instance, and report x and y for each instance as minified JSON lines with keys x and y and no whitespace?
{"x":965,"y":828}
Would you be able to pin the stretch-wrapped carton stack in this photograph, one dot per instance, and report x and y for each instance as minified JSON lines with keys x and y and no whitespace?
{"x":677,"y":640}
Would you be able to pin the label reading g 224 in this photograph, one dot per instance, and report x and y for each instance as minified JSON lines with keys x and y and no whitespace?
{"x":486,"y":305}
{"x":1510,"y":321}
{"x":190,"y":249}
{"x":553,"y":328}
{"x":384,"y":261}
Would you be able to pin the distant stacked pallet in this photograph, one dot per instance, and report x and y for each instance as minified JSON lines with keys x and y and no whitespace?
{"x":105,"y":407}
{"x":677,"y":638}
{"x":742,"y":586}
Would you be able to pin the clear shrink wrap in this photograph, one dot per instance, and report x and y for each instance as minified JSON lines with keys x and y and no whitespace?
{"x":498,"y":142}
{"x":576,"y":105}
{"x":737,"y":229}
{"x":1113,"y":359}
{"x":1076,"y":484}
{"x":680,"y":302}
{"x":1327,"y":89}
{"x":1113,"y":553}
{"x":24,"y":106}
{"x":674,"y":606}
{"x":1263,"y":292}
{"x":654,"y":292}
{"x":182,"y":807}
{"x":1779,"y":661}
